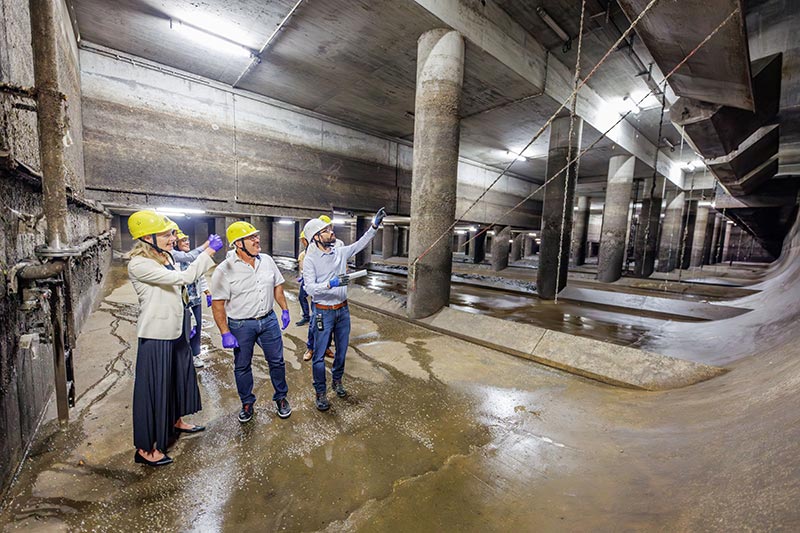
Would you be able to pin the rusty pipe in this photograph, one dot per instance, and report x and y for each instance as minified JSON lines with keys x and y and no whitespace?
{"x":50,"y":120}
{"x":42,"y":271}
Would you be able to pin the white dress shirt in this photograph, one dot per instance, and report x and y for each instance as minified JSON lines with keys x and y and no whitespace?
{"x":320,"y":267}
{"x":249,"y":292}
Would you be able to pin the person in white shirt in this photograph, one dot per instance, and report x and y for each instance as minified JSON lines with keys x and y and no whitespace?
{"x":325,"y":279}
{"x":165,"y":385}
{"x":245,"y":287}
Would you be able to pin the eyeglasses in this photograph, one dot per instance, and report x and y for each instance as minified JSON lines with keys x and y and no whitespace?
{"x":326,"y":230}
{"x":252,"y":238}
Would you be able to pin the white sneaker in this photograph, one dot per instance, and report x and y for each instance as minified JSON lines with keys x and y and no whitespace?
{"x":198,"y":363}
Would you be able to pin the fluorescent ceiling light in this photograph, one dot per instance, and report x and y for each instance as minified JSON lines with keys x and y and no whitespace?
{"x":627,"y":105}
{"x":180,"y":210}
{"x":515,"y":155}
{"x":339,"y":221}
{"x":208,"y":39}
{"x":510,"y":241}
{"x":461,"y":231}
{"x":531,"y":234}
{"x":552,"y":24}
{"x":473,"y":228}
{"x":645,"y":99}
{"x":173,"y":214}
{"x":285,"y":221}
{"x":490,"y":232}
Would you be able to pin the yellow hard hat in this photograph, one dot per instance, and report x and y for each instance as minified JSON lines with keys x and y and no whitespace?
{"x":239,"y":230}
{"x":302,"y":234}
{"x":173,"y":225}
{"x":181,"y":235}
{"x":325,"y":218}
{"x":148,"y":222}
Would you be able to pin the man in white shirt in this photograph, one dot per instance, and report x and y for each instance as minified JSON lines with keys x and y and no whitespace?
{"x":325,"y":279}
{"x":245,"y":287}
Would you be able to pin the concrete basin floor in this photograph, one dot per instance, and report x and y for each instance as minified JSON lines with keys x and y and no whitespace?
{"x":437,"y":434}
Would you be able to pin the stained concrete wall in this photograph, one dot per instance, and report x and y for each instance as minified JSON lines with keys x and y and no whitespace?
{"x":26,"y":365}
{"x":152,"y":137}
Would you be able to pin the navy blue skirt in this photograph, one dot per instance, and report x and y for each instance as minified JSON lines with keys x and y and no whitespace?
{"x":164,"y":390}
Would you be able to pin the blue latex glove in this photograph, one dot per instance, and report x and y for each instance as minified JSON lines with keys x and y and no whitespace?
{"x":229,"y":341}
{"x":285,"y":319}
{"x":208,"y":300}
{"x":193,"y":332}
{"x":379,"y":216}
{"x":300,"y":281}
{"x":339,"y":281}
{"x":215,"y":242}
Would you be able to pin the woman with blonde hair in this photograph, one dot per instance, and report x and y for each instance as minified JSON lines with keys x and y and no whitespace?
{"x":163,"y":390}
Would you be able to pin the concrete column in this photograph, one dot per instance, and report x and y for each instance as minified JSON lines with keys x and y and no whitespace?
{"x":699,"y":237}
{"x":516,"y":247}
{"x":580,"y":231}
{"x":363,"y":257}
{"x":500,"y":249}
{"x":116,"y":223}
{"x":440,"y":74}
{"x":528,"y":250}
{"x":645,"y":248}
{"x":477,"y":251}
{"x":461,"y":239}
{"x":387,"y":249}
{"x":264,"y":227}
{"x":671,"y":234}
{"x":687,"y":235}
{"x":708,"y":247}
{"x":201,"y":232}
{"x":726,"y":239}
{"x":556,"y":221}
{"x":613,"y":232}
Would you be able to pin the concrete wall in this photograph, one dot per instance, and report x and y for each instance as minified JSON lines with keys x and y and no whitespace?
{"x":26,"y":365}
{"x":152,"y":136}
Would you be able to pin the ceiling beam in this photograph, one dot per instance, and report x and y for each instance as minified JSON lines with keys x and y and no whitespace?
{"x":495,"y":32}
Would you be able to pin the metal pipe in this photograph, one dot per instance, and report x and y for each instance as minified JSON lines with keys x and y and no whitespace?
{"x":50,"y":120}
{"x":43,"y":271}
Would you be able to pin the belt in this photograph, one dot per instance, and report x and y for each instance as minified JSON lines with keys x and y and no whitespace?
{"x":257,"y":318}
{"x":330,"y":307}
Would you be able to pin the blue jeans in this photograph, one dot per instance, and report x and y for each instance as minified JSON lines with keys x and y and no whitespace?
{"x":303,"y":297}
{"x":336,"y":324}
{"x":266,"y":333}
{"x":194,"y":342}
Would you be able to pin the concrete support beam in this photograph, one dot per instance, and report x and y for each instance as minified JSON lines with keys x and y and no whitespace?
{"x":580,"y":231}
{"x":461,"y":241}
{"x":477,"y":250}
{"x":613,"y":232}
{"x":646,"y":246}
{"x":528,"y":251}
{"x":440,"y":75}
{"x":500,"y":249}
{"x":557,"y":209}
{"x":389,"y":233}
{"x":726,"y":245}
{"x":687,"y":235}
{"x":364,"y":257}
{"x":699,"y":238}
{"x":490,"y":28}
{"x":517,"y":247}
{"x":201,"y":233}
{"x":755,"y":161}
{"x":264,"y":226}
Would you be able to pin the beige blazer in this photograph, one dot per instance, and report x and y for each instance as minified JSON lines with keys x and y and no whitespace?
{"x":159,"y":290}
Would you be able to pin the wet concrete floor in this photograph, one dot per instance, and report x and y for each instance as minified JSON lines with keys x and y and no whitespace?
{"x":436,"y":434}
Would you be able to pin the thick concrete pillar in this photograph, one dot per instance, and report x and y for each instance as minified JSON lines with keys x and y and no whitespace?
{"x":726,"y":239}
{"x":708,"y":247}
{"x":387,"y":250}
{"x":687,"y":235}
{"x":528,"y":250}
{"x":402,"y":241}
{"x":646,"y":246}
{"x":461,"y":239}
{"x":556,"y":220}
{"x":477,"y":250}
{"x":440,"y":74}
{"x":580,"y":231}
{"x":201,"y":232}
{"x":671,"y":234}
{"x":500,"y":249}
{"x":116,"y":223}
{"x":364,"y":257}
{"x":699,"y":237}
{"x":613,"y":232}
{"x":516,"y":247}
{"x":264,"y":227}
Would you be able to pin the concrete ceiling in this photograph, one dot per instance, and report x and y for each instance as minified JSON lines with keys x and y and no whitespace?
{"x":355,"y":60}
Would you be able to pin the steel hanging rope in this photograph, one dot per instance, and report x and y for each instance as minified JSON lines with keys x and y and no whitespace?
{"x":605,"y":133}
{"x":538,"y":134}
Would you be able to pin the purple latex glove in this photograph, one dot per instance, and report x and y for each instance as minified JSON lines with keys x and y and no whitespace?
{"x":229,"y":341}
{"x":339,"y":281}
{"x":215,"y":242}
{"x":208,"y":300}
{"x":285,"y":319}
{"x":193,"y":332}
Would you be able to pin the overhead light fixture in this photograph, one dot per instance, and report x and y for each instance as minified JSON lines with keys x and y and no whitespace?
{"x":531,"y":234}
{"x":645,"y":99}
{"x":209,"y":39}
{"x":515,"y":155}
{"x":339,"y":221}
{"x":510,"y":241}
{"x":490,"y":232}
{"x":553,"y":25}
{"x":473,"y":228}
{"x":669,"y":143}
{"x":628,"y":105}
{"x":180,"y":210}
{"x":461,"y":232}
{"x":285,"y":221}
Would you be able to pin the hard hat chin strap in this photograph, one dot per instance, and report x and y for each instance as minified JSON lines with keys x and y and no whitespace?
{"x":154,"y":244}
{"x":245,"y":250}
{"x":318,"y":240}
